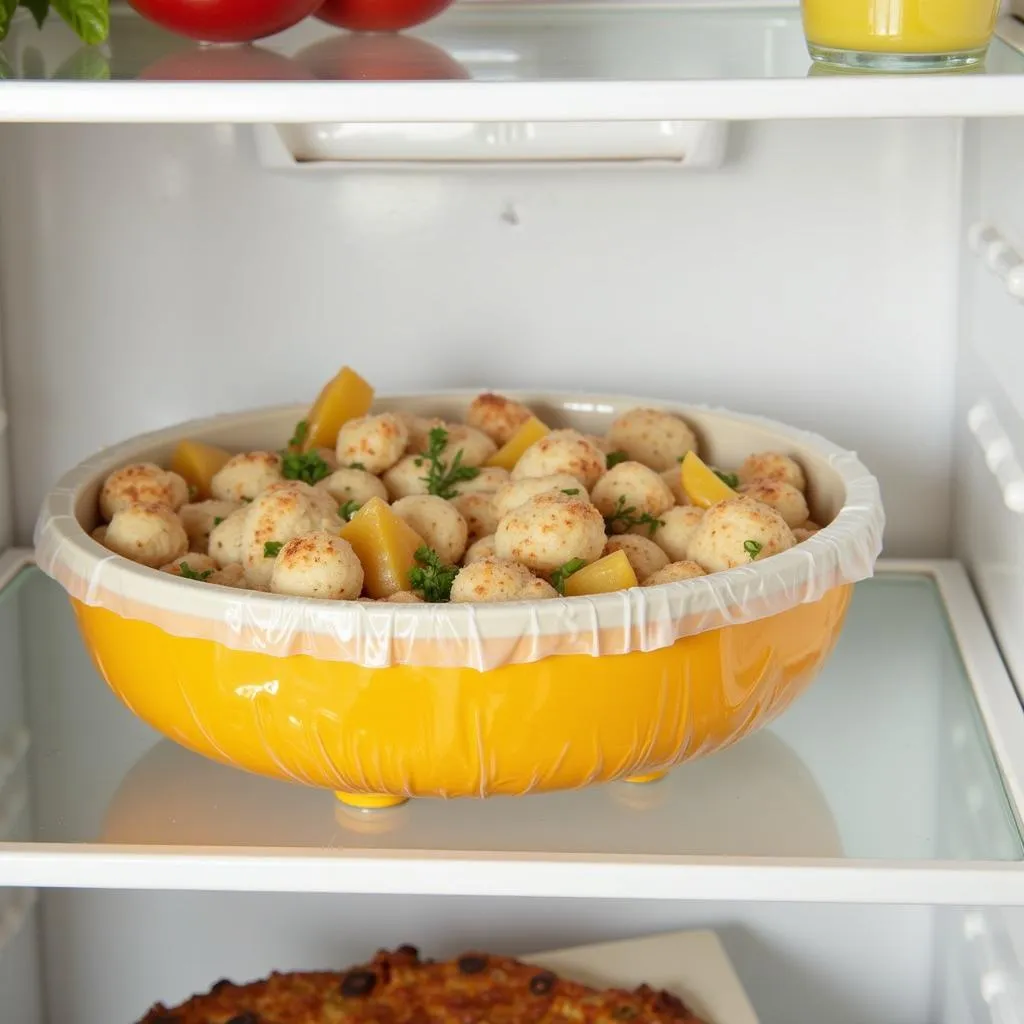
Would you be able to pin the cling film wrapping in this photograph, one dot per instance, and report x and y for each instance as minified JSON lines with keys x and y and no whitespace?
{"x":464,"y":699}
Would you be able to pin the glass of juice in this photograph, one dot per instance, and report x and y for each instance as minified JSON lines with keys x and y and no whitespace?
{"x":899,"y":35}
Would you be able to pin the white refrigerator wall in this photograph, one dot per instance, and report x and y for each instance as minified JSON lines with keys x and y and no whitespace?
{"x":151,"y":274}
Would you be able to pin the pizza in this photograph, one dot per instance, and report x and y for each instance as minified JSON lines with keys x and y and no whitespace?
{"x":400,"y":988}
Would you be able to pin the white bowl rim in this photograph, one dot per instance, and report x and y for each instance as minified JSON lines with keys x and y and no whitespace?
{"x":481,"y":636}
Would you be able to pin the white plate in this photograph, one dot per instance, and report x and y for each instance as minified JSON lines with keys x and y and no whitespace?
{"x":691,"y":965}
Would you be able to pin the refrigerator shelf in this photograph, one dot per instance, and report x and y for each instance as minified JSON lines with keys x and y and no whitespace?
{"x":896,"y":778}
{"x":503,"y":62}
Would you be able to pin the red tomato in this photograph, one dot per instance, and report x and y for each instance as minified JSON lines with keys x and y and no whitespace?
{"x":225,"y":21}
{"x":380,"y":15}
{"x":225,"y":64}
{"x":386,"y":58}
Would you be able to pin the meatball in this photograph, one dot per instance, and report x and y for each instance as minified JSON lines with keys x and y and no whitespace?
{"x":476,"y":447}
{"x":512,"y":494}
{"x":601,"y":443}
{"x":498,"y":579}
{"x":274,"y":518}
{"x":226,"y":538}
{"x":677,"y":526}
{"x":562,"y":451}
{"x":772,"y":466}
{"x":631,"y":485}
{"x":402,"y":597}
{"x":418,"y":428}
{"x":231,"y":576}
{"x":674,"y":479}
{"x":99,"y":535}
{"x":244,"y":476}
{"x":644,"y":555}
{"x":327,"y":454}
{"x":200,"y":517}
{"x":479,"y":512}
{"x":438,"y":522}
{"x":805,"y":532}
{"x":147,"y":533}
{"x":498,"y":417}
{"x":142,"y":482}
{"x":737,"y":532}
{"x":487,"y":481}
{"x":375,"y":442}
{"x":196,"y":563}
{"x":673,"y":572}
{"x":789,"y":502}
{"x":656,"y":438}
{"x":317,"y":564}
{"x":321,"y":500}
{"x":352,"y":485}
{"x":549,"y":530}
{"x":483,"y":548}
{"x":407,"y":476}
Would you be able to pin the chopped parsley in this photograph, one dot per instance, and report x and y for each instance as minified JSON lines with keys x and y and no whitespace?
{"x":442,"y":479}
{"x":612,"y":459}
{"x":189,"y":573}
{"x":193,"y":492}
{"x":271,"y":548}
{"x":356,"y":465}
{"x":217,"y":520}
{"x":298,"y":439}
{"x":349,"y":509}
{"x":563,"y":572}
{"x":729,"y":479}
{"x":626,"y":515}
{"x":570,"y":490}
{"x":309,"y":467}
{"x":431,"y":577}
{"x":752,"y":548}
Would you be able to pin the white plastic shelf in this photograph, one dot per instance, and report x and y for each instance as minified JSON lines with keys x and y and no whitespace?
{"x":895,"y":778}
{"x":508,"y":62}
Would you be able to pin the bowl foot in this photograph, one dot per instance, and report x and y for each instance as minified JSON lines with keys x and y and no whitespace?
{"x":370,"y":801}
{"x":647,"y":777}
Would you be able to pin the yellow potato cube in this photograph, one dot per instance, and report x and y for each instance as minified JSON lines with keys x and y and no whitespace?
{"x":613,"y":572}
{"x":386,"y":546}
{"x":510,"y":453}
{"x":343,"y":398}
{"x":196,"y":462}
{"x":701,"y":484}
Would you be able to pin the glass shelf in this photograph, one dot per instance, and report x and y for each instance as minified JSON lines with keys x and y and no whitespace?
{"x":487,"y":61}
{"x":884,"y":765}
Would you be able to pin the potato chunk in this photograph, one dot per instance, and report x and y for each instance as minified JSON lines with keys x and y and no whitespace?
{"x":385,"y":545}
{"x":511,"y":451}
{"x":343,"y":398}
{"x":196,"y":462}
{"x":613,"y":572}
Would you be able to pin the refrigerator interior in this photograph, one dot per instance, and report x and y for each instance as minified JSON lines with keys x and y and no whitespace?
{"x":853,"y":277}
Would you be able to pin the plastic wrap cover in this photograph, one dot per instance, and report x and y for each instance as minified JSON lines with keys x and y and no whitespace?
{"x":482,"y":637}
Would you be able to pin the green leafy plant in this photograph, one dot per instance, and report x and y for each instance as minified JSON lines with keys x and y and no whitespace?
{"x":626,"y":515}
{"x":729,"y":479}
{"x":349,"y":509}
{"x":570,"y":491}
{"x":299,"y":436}
{"x":189,"y":573}
{"x":753,"y":548}
{"x":442,"y":479}
{"x":272,"y":548}
{"x":309,"y":467}
{"x":430,"y":576}
{"x":88,"y":19}
{"x":563,"y":572}
{"x":612,"y":459}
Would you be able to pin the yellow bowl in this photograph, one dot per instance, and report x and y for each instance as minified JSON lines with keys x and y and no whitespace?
{"x":382,"y":702}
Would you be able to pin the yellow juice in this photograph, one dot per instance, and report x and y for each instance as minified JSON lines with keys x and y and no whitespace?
{"x":900,"y":26}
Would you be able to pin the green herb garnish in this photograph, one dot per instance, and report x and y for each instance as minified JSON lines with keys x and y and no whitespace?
{"x":431,"y":577}
{"x":217,"y":520}
{"x":752,"y":548}
{"x":442,"y":478}
{"x":309,"y":467}
{"x":729,"y":479}
{"x":88,"y":19}
{"x":349,"y":509}
{"x":612,"y":459}
{"x":189,"y":573}
{"x":570,"y":490}
{"x":298,"y":439}
{"x":626,"y":515}
{"x":271,"y":548}
{"x":356,"y":465}
{"x":563,"y":572}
